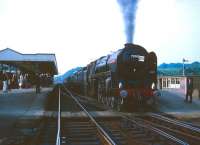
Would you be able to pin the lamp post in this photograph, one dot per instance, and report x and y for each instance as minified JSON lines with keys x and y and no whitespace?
{"x":184,"y":60}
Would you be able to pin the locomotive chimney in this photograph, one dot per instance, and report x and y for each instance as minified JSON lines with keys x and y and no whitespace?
{"x":128,"y":45}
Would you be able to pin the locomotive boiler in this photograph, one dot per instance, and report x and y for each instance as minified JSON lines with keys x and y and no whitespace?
{"x":125,"y":78}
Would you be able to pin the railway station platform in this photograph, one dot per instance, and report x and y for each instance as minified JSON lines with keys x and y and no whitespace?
{"x":23,"y":102}
{"x":82,"y":114}
{"x":173,"y":103}
{"x":22,"y":91}
{"x":20,"y":105}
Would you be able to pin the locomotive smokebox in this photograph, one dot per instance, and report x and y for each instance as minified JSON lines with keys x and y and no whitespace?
{"x":129,"y":45}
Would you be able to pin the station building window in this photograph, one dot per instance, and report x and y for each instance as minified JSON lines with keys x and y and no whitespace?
{"x":168,"y":83}
{"x":173,"y":81}
{"x":164,"y":83}
{"x":177,"y":80}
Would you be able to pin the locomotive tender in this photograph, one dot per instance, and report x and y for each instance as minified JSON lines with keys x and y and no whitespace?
{"x":124,"y":78}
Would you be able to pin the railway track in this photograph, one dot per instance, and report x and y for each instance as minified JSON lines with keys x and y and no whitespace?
{"x":183,"y":132}
{"x":72,"y":131}
{"x":126,"y":131}
{"x":98,"y":130}
{"x":186,"y":132}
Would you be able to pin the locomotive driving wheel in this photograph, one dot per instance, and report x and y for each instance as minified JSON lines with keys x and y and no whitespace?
{"x":112,"y":102}
{"x":103,"y":99}
{"x":107,"y":101}
{"x":99,"y":93}
{"x":119,"y":103}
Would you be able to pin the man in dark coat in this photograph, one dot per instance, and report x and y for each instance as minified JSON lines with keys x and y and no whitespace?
{"x":1,"y":80}
{"x":189,"y":90}
{"x":37,"y":83}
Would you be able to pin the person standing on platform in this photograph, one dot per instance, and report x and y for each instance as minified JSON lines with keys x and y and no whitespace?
{"x":9,"y":82}
{"x":1,"y":80}
{"x":14,"y":82}
{"x":5,"y":81}
{"x":37,"y":83}
{"x":199,"y":93}
{"x":20,"y":81}
{"x":189,"y":90}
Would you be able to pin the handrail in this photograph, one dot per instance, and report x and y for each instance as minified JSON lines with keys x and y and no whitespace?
{"x":100,"y":129}
{"x":58,"y":131}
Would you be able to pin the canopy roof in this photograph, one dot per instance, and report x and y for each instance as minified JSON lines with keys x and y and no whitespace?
{"x":40,"y":62}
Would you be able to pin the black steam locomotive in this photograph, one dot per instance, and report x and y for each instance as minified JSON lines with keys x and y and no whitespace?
{"x":124,"y":78}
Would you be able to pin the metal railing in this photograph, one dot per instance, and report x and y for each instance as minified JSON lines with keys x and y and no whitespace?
{"x":59,"y":114}
{"x":101,"y":131}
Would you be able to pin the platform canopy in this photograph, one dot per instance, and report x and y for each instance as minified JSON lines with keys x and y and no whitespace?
{"x":37,"y":63}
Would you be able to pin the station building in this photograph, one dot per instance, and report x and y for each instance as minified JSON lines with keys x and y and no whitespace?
{"x":178,"y":83}
{"x":27,"y":66}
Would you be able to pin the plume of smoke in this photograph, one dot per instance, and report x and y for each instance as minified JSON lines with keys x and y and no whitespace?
{"x":128,"y":8}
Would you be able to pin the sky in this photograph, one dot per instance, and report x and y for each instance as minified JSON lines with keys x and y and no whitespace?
{"x":80,"y":31}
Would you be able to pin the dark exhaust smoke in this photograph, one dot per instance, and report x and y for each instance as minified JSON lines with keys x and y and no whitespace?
{"x":128,"y":8}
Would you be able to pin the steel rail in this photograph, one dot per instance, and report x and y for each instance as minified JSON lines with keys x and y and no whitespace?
{"x":99,"y":128}
{"x":173,"y":130}
{"x":158,"y":131}
{"x":160,"y":117}
{"x":191,"y":124}
{"x":59,"y":114}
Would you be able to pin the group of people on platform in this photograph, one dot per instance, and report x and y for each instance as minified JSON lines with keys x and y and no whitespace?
{"x":10,"y":81}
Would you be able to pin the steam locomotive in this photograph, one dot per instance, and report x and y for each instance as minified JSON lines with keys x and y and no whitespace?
{"x":123,"y":79}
